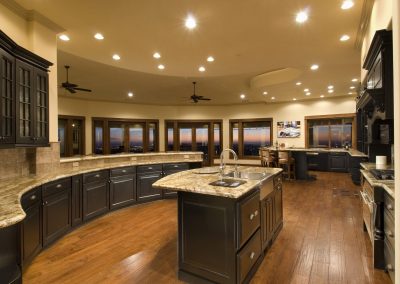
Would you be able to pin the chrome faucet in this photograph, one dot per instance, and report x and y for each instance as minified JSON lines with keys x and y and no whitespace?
{"x":222,"y":164}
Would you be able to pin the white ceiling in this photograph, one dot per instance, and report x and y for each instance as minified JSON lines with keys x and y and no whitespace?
{"x":247,"y":38}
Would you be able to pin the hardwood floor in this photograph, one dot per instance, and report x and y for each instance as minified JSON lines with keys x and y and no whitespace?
{"x":322,"y":241}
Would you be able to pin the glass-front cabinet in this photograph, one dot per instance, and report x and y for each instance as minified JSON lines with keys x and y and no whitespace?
{"x":7,"y":98}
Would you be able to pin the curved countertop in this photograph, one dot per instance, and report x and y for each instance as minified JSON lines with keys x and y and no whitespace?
{"x":11,"y":190}
{"x":351,"y":152}
{"x":191,"y":181}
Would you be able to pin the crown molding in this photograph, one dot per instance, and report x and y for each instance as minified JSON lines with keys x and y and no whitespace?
{"x":364,"y":22}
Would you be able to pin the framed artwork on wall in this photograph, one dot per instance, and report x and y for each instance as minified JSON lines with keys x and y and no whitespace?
{"x":288,"y":129}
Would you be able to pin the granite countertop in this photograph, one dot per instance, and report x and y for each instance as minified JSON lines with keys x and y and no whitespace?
{"x":352,"y":152}
{"x":190,"y":181}
{"x":11,"y":190}
{"x":372,"y":166}
{"x":387,"y":185}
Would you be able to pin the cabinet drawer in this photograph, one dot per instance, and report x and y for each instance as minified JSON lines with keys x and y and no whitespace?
{"x":56,"y":186}
{"x":31,"y":198}
{"x":249,"y":217}
{"x":389,"y":204}
{"x":176,"y":166}
{"x":248,"y":256}
{"x":149,"y":168}
{"x":95,"y":176}
{"x":388,"y":226}
{"x":278,"y":180}
{"x":122,"y":171}
{"x":388,"y":251}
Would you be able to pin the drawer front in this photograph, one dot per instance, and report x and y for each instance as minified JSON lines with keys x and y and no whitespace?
{"x":176,"y":166}
{"x":122,"y":171}
{"x":248,"y":256}
{"x":389,"y":204}
{"x":278,"y":180}
{"x":388,"y":251}
{"x":31,"y":198}
{"x":56,"y":186}
{"x":388,"y":226}
{"x":149,"y":169}
{"x":95,"y":176}
{"x":368,"y":188}
{"x":249,"y":217}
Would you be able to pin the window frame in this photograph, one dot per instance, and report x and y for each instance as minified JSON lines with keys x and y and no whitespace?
{"x":330,"y":117}
{"x":240,"y":123}
{"x":126,"y":122}
{"x":68,"y":135}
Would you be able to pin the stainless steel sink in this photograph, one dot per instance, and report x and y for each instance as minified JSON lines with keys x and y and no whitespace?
{"x":249,"y":175}
{"x":225,"y":182}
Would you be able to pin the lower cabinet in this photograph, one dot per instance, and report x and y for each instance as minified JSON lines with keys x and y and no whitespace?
{"x":389,"y":242}
{"x":338,"y":162}
{"x":146,"y":176}
{"x":170,"y":169}
{"x":76,"y":202}
{"x":96,"y":195}
{"x":122,"y":191}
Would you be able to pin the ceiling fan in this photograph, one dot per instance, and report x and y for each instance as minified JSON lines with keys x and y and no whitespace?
{"x":195,"y":98}
{"x":72,"y":88}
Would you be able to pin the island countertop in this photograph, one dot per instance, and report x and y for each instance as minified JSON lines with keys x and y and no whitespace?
{"x":192,"y":181}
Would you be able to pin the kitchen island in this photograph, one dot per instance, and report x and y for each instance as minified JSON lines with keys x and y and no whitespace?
{"x":223,"y":232}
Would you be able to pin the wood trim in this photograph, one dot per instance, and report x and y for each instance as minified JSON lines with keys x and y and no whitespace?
{"x":330,"y":116}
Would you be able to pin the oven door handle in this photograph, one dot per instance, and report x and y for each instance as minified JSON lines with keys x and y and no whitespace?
{"x":364,"y":197}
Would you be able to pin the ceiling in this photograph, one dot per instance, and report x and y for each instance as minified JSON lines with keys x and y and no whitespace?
{"x":246,"y":38}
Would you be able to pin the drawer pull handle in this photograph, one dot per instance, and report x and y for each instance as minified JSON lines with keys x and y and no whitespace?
{"x":389,"y":267}
{"x":256,"y":213}
{"x":175,"y":166}
{"x":124,"y":171}
{"x":252,"y":255}
{"x":389,"y":207}
{"x":97,"y":176}
{"x":252,"y":216}
{"x":390,"y":234}
{"x":33,"y":197}
{"x":150,"y":168}
{"x":59,"y":185}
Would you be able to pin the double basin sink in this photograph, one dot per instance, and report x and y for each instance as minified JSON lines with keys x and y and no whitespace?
{"x":235,"y":179}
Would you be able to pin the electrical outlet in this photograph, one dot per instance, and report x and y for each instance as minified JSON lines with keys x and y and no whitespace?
{"x":75,"y":164}
{"x":186,"y":156}
{"x":133,"y":158}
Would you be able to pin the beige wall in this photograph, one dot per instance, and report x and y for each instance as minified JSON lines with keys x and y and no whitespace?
{"x":41,"y":40}
{"x":278,"y":111}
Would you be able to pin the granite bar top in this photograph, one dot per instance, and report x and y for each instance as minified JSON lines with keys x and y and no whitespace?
{"x":193,"y":181}
{"x":387,"y":185}
{"x":11,"y":190}
{"x":352,"y":152}
{"x":372,"y":166}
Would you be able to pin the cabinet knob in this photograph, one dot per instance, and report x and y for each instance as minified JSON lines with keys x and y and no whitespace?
{"x":390,"y":234}
{"x":175,"y":166}
{"x":150,"y":168}
{"x":124,"y":171}
{"x":97,"y":176}
{"x":45,"y":203}
{"x":256,"y":213}
{"x":252,"y":255}
{"x":389,"y":207}
{"x":252,"y":216}
{"x":59,"y":185}
{"x":389,"y":267}
{"x":33,"y":197}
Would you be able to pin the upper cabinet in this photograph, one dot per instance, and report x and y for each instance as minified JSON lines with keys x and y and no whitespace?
{"x":24,"y":96}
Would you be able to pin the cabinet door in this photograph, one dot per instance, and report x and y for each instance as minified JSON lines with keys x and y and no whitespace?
{"x":267,"y":219}
{"x":145,"y":190}
{"x":170,"y":193}
{"x":31,"y":233}
{"x":41,"y":107}
{"x":122,"y":191}
{"x":96,"y":199}
{"x":338,"y":163}
{"x":278,"y":216}
{"x":56,"y":215}
{"x":7,"y":98}
{"x":76,"y":200}
{"x":25,"y":105}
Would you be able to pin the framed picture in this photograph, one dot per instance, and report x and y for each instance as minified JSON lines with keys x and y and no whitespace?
{"x":288,"y":129}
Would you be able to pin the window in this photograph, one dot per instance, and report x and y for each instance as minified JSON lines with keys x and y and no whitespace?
{"x":71,"y":134}
{"x":330,"y":131}
{"x":113,"y":136}
{"x":248,"y":135}
{"x":195,"y":135}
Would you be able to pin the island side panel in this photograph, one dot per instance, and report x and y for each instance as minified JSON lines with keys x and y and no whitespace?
{"x":207,"y":237}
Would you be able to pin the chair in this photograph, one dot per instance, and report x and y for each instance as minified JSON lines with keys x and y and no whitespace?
{"x":287,"y":163}
{"x":267,"y":159}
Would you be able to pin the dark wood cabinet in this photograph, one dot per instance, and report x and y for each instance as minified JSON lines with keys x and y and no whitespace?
{"x":147,"y":175}
{"x":76,"y":200}
{"x":7,"y":98}
{"x":267,"y":220}
{"x":31,"y":226}
{"x":122,"y":191}
{"x":96,"y":194}
{"x":170,"y":169}
{"x":338,"y":162}
{"x":56,"y":215}
{"x":278,"y":212}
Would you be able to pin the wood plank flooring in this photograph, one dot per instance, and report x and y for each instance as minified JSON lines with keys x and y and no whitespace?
{"x":322,"y":241}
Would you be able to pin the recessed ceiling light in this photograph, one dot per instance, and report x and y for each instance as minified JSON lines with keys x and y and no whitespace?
{"x":272,"y":98}
{"x":265,"y":93}
{"x":294,"y":99}
{"x":130,"y":94}
{"x":242,"y":96}
{"x":301,"y":17}
{"x":99,"y":36}
{"x":64,"y":37}
{"x":161,"y":67}
{"x":210,"y":59}
{"x":156,"y":55}
{"x":347,"y":4}
{"x":202,"y":69}
{"x":330,"y":91}
{"x":321,"y":96}
{"x":330,"y":87}
{"x":350,"y":93}
{"x":352,"y":87}
{"x":190,"y":22}
{"x":298,"y":83}
{"x":308,"y":93}
{"x":314,"y":67}
{"x":354,"y":80}
{"x":116,"y":57}
{"x":344,"y":38}
{"x":306,"y":90}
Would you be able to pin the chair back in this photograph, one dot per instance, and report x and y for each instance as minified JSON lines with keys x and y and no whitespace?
{"x":284,"y":155}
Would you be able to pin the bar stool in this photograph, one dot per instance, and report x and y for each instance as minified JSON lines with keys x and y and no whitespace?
{"x":267,"y":160}
{"x":287,"y":163}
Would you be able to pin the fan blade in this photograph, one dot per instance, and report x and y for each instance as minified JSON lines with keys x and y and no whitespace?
{"x":72,"y":91}
{"x":68,"y":85}
{"x":82,"y":89}
{"x":204,"y":99}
